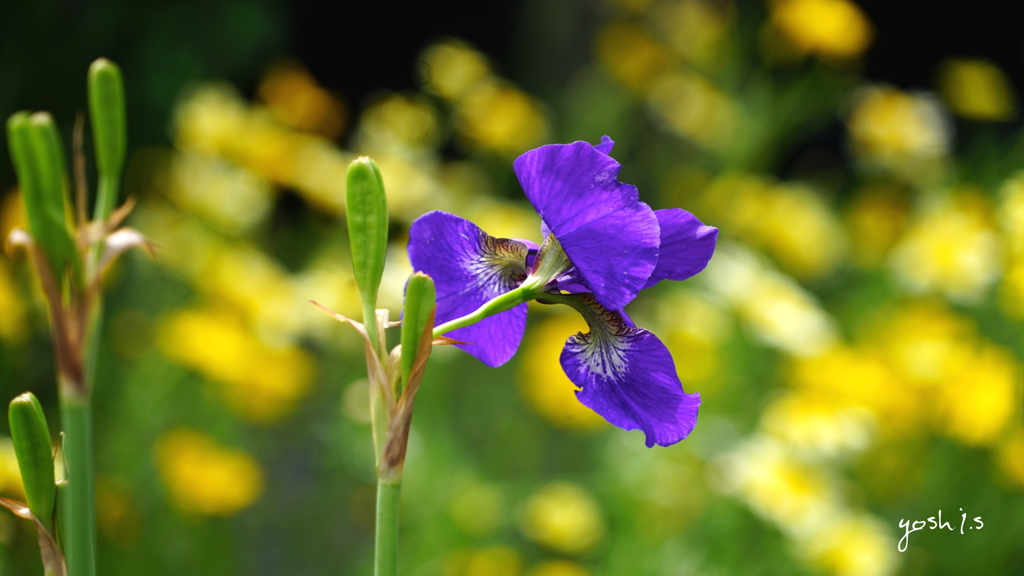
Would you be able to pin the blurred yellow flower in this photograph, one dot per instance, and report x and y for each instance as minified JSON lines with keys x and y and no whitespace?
{"x":205,"y":478}
{"x":860,"y":377}
{"x":498,"y":116}
{"x":230,"y":198}
{"x":925,"y":342}
{"x":875,"y":218}
{"x":398,"y":121}
{"x":695,"y":29}
{"x":828,"y":28}
{"x":453,"y":68}
{"x":543,"y":382}
{"x":692,"y":106}
{"x":558,"y":568}
{"x":908,"y":134}
{"x":951,"y":249}
{"x":819,"y":423}
{"x":794,"y":494}
{"x":630,"y":54}
{"x":563,"y":517}
{"x":493,"y":561}
{"x":213,"y":120}
{"x":789,"y":221}
{"x":852,"y":545}
{"x":10,"y":473}
{"x":210,"y":119}
{"x":409,"y":179}
{"x":294,"y":99}
{"x":12,"y":321}
{"x":692,"y":326}
{"x":502,"y":219}
{"x":256,"y":286}
{"x":776,"y":309}
{"x":1010,"y":457}
{"x":259,"y":382}
{"x":976,"y":89}
{"x":976,"y":405}
{"x":1011,"y":213}
{"x":1011,"y":292}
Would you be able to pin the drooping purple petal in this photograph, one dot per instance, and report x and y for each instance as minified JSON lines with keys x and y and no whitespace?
{"x":470,"y":267}
{"x":627,"y":376}
{"x":608,"y":233}
{"x":686,"y":246}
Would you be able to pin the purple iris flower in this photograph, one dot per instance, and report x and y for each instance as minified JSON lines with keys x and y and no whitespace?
{"x":602,"y":246}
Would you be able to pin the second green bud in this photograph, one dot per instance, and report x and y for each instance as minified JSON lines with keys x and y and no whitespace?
{"x":34,"y":451}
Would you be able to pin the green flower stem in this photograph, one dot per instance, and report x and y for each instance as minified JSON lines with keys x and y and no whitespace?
{"x":551,"y":262}
{"x":507,"y":301}
{"x":370,"y":322}
{"x":106,"y":195}
{"x":79,"y":506}
{"x":385,"y":553}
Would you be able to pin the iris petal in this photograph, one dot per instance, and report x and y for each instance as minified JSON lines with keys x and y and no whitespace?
{"x":470,"y":267}
{"x":627,"y":375}
{"x":610,"y":236}
{"x":686,"y":246}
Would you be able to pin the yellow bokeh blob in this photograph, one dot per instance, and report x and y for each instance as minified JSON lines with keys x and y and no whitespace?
{"x":976,"y":89}
{"x":630,"y":54}
{"x":976,"y":406}
{"x":1010,"y":458}
{"x":828,"y":28}
{"x":204,"y":477}
{"x":296,"y":100}
{"x":453,"y":68}
{"x":543,"y":382}
{"x":498,"y":116}
{"x":853,"y":545}
{"x":952,"y":249}
{"x":10,"y":473}
{"x":903,"y":132}
{"x":492,"y":561}
{"x":558,"y":568}
{"x":564,"y":517}
{"x":259,"y":382}
{"x":875,"y":218}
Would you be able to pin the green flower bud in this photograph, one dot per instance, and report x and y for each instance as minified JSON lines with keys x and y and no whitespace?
{"x":34,"y":450}
{"x":417,"y":322}
{"x":109,"y":132}
{"x":42,"y":175}
{"x":367,"y":215}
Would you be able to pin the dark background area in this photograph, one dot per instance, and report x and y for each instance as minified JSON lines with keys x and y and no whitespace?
{"x":359,"y":47}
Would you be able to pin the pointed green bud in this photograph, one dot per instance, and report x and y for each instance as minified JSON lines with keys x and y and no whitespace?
{"x":42,"y":175}
{"x":417,"y":321}
{"x":34,"y":450}
{"x":109,"y":131}
{"x":367,"y":215}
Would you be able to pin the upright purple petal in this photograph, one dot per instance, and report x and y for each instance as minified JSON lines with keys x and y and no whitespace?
{"x":628,"y":376}
{"x":608,"y":233}
{"x":470,"y":267}
{"x":686,"y":246}
{"x":606,"y":145}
